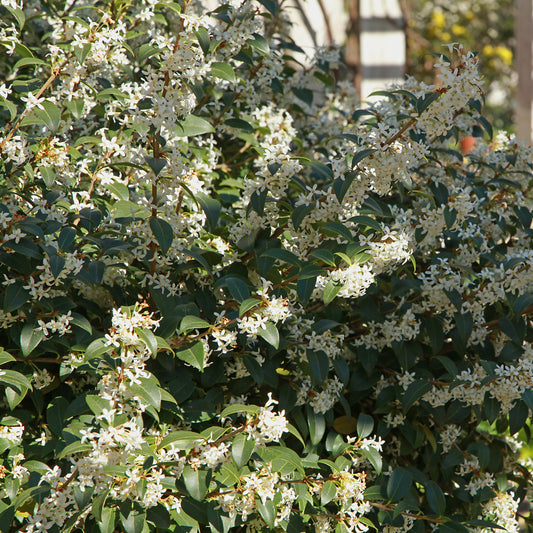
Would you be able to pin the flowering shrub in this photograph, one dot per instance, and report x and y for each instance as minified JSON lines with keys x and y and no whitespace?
{"x":485,"y":25}
{"x":234,"y":300}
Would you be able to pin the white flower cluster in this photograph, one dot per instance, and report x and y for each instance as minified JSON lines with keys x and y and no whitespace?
{"x":460,"y":83}
{"x":12,"y":433}
{"x":502,"y":510}
{"x":508,"y":384}
{"x":270,"y":426}
{"x":42,"y":378}
{"x":60,"y":325}
{"x":449,"y":436}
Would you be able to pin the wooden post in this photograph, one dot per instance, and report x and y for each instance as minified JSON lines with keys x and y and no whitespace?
{"x":524,"y":66}
{"x":382,"y":44}
{"x":353,"y":44}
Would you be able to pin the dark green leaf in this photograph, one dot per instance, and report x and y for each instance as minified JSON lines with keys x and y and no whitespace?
{"x":74,"y":448}
{"x":399,"y":484}
{"x":15,"y":380}
{"x":149,"y":392}
{"x":323,"y":255}
{"x":317,"y":425}
{"x":518,"y":416}
{"x":25,"y":61}
{"x":374,"y":458}
{"x":359,"y":156}
{"x":239,"y":124}
{"x":284,"y":460}
{"x":282,"y":255}
{"x":211,"y":208}
{"x":238,"y":288}
{"x":66,"y":238}
{"x":98,"y":504}
{"x":30,"y":338}
{"x":55,"y":414}
{"x":336,"y":228}
{"x":18,"y":15}
{"x":341,"y":186}
{"x":414,"y":392}
{"x":305,"y":95}
{"x":82,"y":497}
{"x":299,"y":214}
{"x":483,"y":524}
{"x":369,"y":222}
{"x":156,"y":164}
{"x":365,"y":425}
{"x":239,"y":408}
{"x":81,"y":52}
{"x":5,"y":357}
{"x":436,"y":498}
{"x":319,"y":363}
{"x":260,"y":44}
{"x":203,"y":39}
{"x":304,"y":289}
{"x":181,"y":440}
{"x":163,"y":232}
{"x":452,"y":526}
{"x":97,"y":348}
{"x":14,"y":297}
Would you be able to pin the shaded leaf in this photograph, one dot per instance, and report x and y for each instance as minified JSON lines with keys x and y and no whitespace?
{"x":270,"y":333}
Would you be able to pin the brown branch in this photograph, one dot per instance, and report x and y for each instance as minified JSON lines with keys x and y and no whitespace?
{"x":387,"y":507}
{"x":53,"y":76}
{"x":327,"y":21}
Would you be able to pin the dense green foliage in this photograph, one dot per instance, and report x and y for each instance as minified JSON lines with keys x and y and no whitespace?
{"x":232,"y":300}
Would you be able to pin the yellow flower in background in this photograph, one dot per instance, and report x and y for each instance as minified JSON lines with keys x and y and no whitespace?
{"x":458,"y":30}
{"x":488,"y":50}
{"x":504,"y":54}
{"x":438,"y":20}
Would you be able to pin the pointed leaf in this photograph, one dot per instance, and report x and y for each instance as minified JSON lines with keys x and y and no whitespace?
{"x":331,"y":290}
{"x":246,"y":305}
{"x":14,"y":297}
{"x":435,"y":497}
{"x":163,"y":232}
{"x":30,"y":339}
{"x":242,"y":448}
{"x":223,"y":71}
{"x":414,"y":392}
{"x":192,"y":125}
{"x":328,"y":492}
{"x":365,"y":425}
{"x":193,"y":355}
{"x":270,"y":333}
{"x":196,"y":482}
{"x":190,"y":322}
{"x":399,"y":484}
